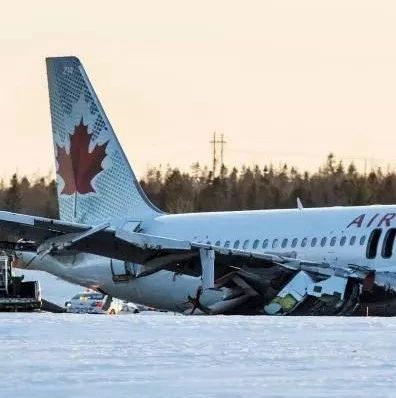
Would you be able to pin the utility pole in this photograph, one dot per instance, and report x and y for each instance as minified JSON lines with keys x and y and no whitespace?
{"x":214,"y":142}
{"x":222,"y":142}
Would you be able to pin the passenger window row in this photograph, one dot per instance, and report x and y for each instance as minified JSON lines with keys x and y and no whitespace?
{"x":371,"y":250}
{"x":284,"y":243}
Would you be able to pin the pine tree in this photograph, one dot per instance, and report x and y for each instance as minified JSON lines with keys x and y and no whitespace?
{"x":12,"y":200}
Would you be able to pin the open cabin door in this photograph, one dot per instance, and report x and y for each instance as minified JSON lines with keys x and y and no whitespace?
{"x":122,"y":271}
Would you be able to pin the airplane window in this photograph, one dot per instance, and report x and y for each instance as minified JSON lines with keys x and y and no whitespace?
{"x":313,"y":242}
{"x":265,"y":243}
{"x":217,"y":243}
{"x":362,"y":240}
{"x":333,"y":241}
{"x":255,"y":244}
{"x":387,"y":247}
{"x":372,"y":244}
{"x":227,"y":243}
{"x":304,"y":242}
{"x":275,"y":243}
{"x":323,"y":241}
{"x":342,"y":241}
{"x":284,"y":243}
{"x":353,"y":240}
{"x":294,"y":242}
{"x":245,"y":244}
{"x":236,"y":244}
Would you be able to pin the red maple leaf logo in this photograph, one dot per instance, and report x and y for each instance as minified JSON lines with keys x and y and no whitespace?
{"x":79,"y":167}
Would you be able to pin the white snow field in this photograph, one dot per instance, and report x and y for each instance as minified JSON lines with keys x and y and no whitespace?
{"x":68,"y":355}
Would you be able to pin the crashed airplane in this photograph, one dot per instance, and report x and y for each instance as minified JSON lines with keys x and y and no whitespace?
{"x":323,"y":261}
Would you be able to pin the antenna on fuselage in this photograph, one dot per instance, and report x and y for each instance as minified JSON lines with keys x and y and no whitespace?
{"x":299,"y":204}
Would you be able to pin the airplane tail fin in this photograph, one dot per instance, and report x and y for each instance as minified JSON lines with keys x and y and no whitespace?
{"x":94,"y":179}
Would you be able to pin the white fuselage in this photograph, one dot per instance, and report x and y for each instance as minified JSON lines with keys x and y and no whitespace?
{"x":336,"y":235}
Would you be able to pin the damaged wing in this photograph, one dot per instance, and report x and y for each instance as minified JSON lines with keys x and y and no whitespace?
{"x":48,"y":236}
{"x":154,"y":252}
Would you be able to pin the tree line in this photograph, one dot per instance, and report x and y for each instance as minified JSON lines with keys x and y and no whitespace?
{"x":268,"y":187}
{"x":246,"y":188}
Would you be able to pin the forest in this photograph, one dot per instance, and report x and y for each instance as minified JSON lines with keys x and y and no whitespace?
{"x":197,"y":190}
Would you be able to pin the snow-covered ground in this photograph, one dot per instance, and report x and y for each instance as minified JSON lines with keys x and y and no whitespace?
{"x":67,"y":355}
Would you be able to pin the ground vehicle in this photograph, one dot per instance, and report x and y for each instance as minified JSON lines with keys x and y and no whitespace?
{"x":92,"y":302}
{"x":16,"y":295}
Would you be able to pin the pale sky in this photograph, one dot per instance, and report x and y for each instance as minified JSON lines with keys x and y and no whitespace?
{"x":282,"y":80}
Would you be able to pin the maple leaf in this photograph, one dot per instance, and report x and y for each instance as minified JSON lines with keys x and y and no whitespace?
{"x":78,"y":167}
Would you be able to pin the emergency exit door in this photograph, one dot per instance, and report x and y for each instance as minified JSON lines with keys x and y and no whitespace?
{"x":121,"y":270}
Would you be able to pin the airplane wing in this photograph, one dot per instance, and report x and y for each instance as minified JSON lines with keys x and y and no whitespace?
{"x":55,"y":236}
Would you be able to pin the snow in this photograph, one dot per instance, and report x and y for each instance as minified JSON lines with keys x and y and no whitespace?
{"x":69,"y":355}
